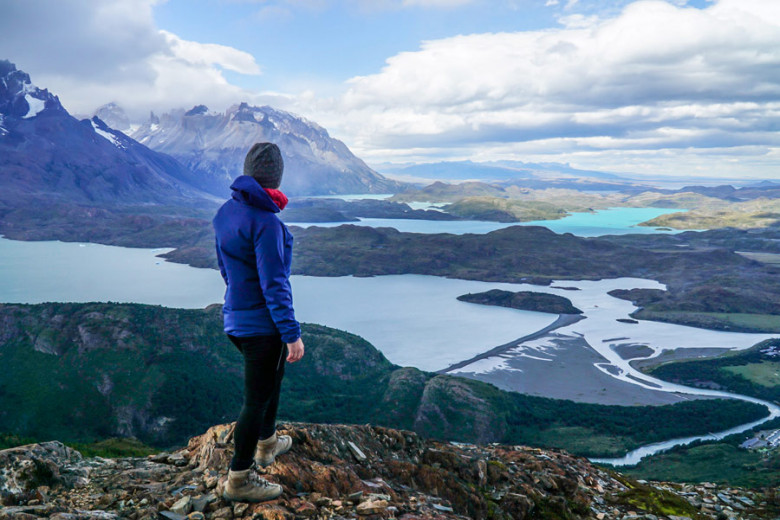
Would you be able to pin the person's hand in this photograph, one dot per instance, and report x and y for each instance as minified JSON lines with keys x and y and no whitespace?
{"x":295,"y":351}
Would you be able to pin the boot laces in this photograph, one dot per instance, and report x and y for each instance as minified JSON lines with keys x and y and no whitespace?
{"x":256,"y":479}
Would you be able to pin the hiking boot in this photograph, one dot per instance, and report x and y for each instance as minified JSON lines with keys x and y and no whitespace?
{"x":247,"y":486}
{"x":268,"y":449}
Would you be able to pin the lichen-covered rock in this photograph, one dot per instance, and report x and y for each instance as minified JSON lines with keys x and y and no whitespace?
{"x":25,"y":469}
{"x":401,"y":476}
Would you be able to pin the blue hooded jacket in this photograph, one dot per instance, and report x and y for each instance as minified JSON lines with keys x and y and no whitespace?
{"x":254,"y":251}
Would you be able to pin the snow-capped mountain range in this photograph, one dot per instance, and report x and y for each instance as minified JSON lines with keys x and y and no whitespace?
{"x":48,"y":155}
{"x":183,"y":158}
{"x":213,"y":146}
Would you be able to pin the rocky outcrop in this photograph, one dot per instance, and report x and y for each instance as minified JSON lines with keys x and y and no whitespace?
{"x":336,"y":471}
{"x":523,"y":300}
{"x":451,"y":405}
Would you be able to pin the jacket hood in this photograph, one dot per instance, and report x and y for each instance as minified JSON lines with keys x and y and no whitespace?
{"x":248,"y":191}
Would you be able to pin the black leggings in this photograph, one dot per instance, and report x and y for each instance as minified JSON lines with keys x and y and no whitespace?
{"x":263,"y":372}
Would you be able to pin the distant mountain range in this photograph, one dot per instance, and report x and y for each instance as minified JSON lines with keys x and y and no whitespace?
{"x":529,"y":175}
{"x":213,"y":146}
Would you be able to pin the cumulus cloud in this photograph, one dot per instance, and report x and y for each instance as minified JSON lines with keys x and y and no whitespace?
{"x":656,"y":76}
{"x":91,"y":52}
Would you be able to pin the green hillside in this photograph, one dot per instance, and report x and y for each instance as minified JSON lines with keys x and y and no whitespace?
{"x":89,"y":372}
{"x":752,"y":372}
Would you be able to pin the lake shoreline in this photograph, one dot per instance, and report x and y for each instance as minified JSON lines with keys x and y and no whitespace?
{"x":563,"y":320}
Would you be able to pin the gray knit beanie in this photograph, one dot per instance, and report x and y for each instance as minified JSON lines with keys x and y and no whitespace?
{"x":264,"y":163}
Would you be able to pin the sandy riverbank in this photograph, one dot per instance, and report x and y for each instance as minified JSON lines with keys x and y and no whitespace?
{"x":562,"y":321}
{"x":561,"y":367}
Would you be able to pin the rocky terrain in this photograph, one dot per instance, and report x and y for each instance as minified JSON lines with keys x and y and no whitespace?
{"x":336,"y":210}
{"x":353,"y":472}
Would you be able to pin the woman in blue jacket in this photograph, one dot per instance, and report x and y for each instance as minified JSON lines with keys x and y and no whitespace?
{"x":254,"y":251}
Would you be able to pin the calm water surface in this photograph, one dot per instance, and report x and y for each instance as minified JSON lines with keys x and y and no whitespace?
{"x":613,"y":221}
{"x":414,"y":320}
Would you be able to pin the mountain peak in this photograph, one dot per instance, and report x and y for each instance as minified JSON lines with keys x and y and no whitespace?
{"x":213,"y":145}
{"x":114,"y":116}
{"x":47,"y":154}
{"x":103,"y":130}
{"x":197,"y":110}
{"x":19,"y":98}
{"x":6,"y":68}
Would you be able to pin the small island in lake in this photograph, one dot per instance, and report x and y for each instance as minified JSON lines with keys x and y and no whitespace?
{"x":523,"y":300}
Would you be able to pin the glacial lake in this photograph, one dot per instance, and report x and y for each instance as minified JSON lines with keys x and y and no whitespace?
{"x":613,"y":221}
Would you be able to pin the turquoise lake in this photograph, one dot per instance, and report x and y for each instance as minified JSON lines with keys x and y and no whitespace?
{"x":613,"y":221}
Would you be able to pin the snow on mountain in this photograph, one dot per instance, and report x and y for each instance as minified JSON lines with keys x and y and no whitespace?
{"x":102,"y":131}
{"x":19,"y":98}
{"x":35,"y":105}
{"x":213,"y":145}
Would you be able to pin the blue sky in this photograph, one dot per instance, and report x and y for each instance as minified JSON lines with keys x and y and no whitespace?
{"x":334,"y":41}
{"x":330,"y":42}
{"x":683,"y":88}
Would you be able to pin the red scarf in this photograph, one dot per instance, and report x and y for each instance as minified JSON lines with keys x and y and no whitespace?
{"x":279,"y":198}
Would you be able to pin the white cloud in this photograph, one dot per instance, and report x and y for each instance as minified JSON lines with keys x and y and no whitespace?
{"x":208,"y":54}
{"x":92,"y":38}
{"x":91,"y":52}
{"x":680,"y":79}
{"x":578,"y":21}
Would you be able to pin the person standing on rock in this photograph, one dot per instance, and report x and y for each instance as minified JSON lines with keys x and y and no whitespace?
{"x":254,"y":252}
